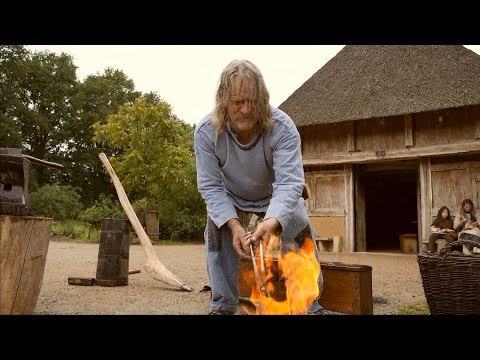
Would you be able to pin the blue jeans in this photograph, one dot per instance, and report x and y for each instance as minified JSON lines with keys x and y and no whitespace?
{"x":223,"y":261}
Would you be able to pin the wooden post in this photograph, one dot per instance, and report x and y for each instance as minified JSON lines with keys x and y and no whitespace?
{"x":151,"y":219}
{"x":425,"y":217}
{"x":23,"y":252}
{"x":360,"y":220}
{"x":113,"y":253}
{"x":348,"y":244}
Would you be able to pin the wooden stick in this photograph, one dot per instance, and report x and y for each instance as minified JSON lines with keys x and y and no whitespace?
{"x":153,"y":267}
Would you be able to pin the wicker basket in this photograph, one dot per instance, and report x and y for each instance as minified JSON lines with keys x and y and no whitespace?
{"x":451,"y":280}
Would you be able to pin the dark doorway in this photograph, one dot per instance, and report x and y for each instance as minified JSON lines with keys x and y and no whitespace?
{"x":390,"y":207}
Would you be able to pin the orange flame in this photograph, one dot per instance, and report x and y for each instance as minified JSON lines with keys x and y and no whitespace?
{"x":297,"y":271}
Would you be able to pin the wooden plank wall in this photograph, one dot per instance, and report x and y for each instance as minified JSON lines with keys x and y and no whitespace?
{"x":325,"y":139}
{"x":444,"y":127}
{"x":380,"y":134}
{"x":452,"y":183}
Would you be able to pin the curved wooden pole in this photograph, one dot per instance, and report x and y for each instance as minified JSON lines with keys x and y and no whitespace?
{"x":153,"y":267}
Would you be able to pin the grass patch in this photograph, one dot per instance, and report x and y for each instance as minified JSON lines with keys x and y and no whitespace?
{"x":414,"y":309}
{"x":76,"y":231}
{"x":81,"y":232}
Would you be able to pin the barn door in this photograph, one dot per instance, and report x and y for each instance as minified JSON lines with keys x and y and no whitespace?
{"x":327,"y":203}
{"x":452,"y":183}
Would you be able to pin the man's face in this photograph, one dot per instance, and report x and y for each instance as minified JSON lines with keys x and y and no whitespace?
{"x":241,"y":107}
{"x":467,"y":208}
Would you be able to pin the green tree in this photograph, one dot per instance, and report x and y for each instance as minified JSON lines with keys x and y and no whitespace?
{"x":12,"y":72}
{"x":46,"y":92}
{"x":97,"y":97}
{"x":153,"y":157}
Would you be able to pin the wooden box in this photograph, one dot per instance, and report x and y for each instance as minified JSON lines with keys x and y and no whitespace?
{"x":408,"y":243}
{"x":347,"y":288}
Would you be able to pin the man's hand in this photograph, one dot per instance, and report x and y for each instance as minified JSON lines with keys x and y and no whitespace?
{"x":264,"y":231}
{"x":239,"y":238}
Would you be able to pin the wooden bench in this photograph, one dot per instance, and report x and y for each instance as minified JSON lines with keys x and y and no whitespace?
{"x":324,"y":243}
{"x":441,"y":243}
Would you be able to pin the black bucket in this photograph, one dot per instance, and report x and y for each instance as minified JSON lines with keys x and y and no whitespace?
{"x":113,"y":253}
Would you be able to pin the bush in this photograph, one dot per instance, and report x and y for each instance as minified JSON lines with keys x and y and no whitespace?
{"x":60,"y":202}
{"x":184,"y":227}
{"x":104,"y":208}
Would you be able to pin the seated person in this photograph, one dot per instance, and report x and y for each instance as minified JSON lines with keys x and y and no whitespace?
{"x":466,"y":224}
{"x":442,"y":228}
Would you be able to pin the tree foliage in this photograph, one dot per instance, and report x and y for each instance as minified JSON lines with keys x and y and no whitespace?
{"x":49,"y":114}
{"x":150,"y":149}
{"x":48,"y":86}
{"x":12,"y":73}
{"x":105,"y":207}
{"x":57,"y":201}
{"x":98,"y":97}
{"x":153,"y":157}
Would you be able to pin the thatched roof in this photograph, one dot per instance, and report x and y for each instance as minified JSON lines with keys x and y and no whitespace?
{"x":363,"y":82}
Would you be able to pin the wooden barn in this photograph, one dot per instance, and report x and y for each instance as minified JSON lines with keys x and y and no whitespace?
{"x":389,"y":135}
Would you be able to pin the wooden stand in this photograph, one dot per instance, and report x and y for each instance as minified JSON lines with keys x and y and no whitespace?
{"x":23,"y":252}
{"x":113,"y":253}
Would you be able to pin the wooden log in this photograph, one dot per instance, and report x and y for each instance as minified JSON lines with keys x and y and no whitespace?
{"x":113,"y":253}
{"x":82,"y":281}
{"x":23,"y":252}
{"x":136,"y":271}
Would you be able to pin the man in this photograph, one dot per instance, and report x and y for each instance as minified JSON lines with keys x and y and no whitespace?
{"x":248,"y":161}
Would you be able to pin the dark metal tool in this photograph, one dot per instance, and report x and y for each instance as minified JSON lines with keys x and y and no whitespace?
{"x":14,"y":178}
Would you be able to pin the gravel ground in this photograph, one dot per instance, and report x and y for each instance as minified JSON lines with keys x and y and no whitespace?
{"x":395,"y":282}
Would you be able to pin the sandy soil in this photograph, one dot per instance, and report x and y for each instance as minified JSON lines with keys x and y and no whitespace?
{"x":396,"y":281}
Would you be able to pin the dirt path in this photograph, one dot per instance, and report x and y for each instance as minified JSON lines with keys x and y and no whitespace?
{"x":396,"y":282}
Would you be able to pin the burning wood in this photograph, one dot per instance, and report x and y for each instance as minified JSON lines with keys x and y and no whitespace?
{"x":290,"y":280}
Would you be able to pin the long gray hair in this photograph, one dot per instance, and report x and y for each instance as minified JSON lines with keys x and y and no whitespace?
{"x":246,"y":70}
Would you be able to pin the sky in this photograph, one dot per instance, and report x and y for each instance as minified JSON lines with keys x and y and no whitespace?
{"x":186,"y":76}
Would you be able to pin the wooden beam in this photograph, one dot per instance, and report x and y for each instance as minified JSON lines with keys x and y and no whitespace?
{"x":351,"y":137}
{"x":403,"y":154}
{"x":425,"y":200}
{"x":477,"y":128}
{"x":360,"y":219}
{"x":349,"y":241}
{"x":408,"y":130}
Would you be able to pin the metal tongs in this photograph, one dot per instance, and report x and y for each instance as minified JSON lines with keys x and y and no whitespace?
{"x":260,"y":277}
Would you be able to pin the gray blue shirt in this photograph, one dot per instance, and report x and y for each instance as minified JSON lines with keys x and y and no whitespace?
{"x":265,"y":175}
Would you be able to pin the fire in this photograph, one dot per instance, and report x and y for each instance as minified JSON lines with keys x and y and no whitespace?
{"x":290,"y":281}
